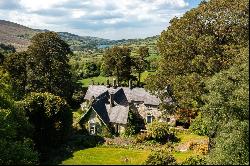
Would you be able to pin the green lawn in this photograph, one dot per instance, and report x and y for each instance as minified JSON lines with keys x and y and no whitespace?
{"x":186,"y":137}
{"x":100,"y":79}
{"x":107,"y":156}
{"x":182,"y":156}
{"x":103,"y":80}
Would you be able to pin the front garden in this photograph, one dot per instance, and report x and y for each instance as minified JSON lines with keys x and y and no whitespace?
{"x":84,"y":149}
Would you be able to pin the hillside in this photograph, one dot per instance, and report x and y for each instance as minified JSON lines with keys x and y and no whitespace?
{"x":15,"y":34}
{"x":19,"y":36}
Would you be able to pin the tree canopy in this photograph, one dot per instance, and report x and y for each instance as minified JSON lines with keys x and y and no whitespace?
{"x":47,"y":65}
{"x":117,"y":62}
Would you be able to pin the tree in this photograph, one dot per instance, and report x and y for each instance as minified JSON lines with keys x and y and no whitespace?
{"x":15,"y":64}
{"x":1,"y":58}
{"x":51,"y":117}
{"x":201,"y":43}
{"x":47,"y":65}
{"x":225,"y":114}
{"x":5,"y":49}
{"x":204,"y":56}
{"x":91,"y":69}
{"x":16,"y":147}
{"x":117,"y":62}
{"x":140,"y":62}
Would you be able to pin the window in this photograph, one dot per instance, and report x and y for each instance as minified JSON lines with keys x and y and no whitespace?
{"x":149,"y":118}
{"x":92,"y":128}
{"x":168,"y":119}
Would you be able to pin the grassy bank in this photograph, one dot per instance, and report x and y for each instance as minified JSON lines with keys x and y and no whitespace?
{"x":107,"y":156}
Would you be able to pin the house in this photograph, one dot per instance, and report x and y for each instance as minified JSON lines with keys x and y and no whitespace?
{"x":108,"y":107}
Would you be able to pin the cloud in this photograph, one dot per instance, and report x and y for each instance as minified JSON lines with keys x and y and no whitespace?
{"x":9,"y":5}
{"x":101,"y":17}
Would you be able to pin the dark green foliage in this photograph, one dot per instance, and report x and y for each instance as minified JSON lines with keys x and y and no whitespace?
{"x":90,"y":69}
{"x":194,"y":160}
{"x":17,"y":152}
{"x":5,"y":49}
{"x":1,"y":58}
{"x":197,"y":45}
{"x":231,"y":145}
{"x":16,"y":147}
{"x":78,"y":95}
{"x":161,"y":157}
{"x":160,"y":131}
{"x":15,"y":64}
{"x":205,"y":59}
{"x":140,"y":62}
{"x":86,"y":141}
{"x":51,"y":117}
{"x":133,"y":124}
{"x":117,"y":62}
{"x":47,"y":65}
{"x":198,"y":127}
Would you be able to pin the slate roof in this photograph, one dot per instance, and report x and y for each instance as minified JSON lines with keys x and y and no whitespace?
{"x":119,"y":114}
{"x":134,"y":94}
{"x":100,"y":108}
{"x":122,"y":96}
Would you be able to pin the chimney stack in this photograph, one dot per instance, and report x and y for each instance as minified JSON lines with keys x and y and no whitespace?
{"x":114,"y":83}
{"x":130,"y":84}
{"x":108,"y":83}
{"x":111,"y":100}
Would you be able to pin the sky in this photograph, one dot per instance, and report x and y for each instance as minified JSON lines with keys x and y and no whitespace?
{"x":109,"y":19}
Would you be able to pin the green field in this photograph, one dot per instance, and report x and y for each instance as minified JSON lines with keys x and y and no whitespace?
{"x":100,"y":79}
{"x":103,"y":80}
{"x":107,"y":156}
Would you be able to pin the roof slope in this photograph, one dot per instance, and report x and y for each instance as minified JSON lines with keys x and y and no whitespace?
{"x":134,"y":94}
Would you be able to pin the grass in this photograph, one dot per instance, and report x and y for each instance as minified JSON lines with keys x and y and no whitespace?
{"x":182,"y":156}
{"x":100,"y":79}
{"x":103,"y":80}
{"x":107,"y":156}
{"x":145,"y":74}
{"x":186,"y":137}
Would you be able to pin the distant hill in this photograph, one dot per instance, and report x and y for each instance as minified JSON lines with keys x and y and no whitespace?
{"x":19,"y":36}
{"x":15,"y":34}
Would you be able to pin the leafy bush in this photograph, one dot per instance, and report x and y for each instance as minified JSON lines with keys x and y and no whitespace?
{"x":51,"y":117}
{"x":198,"y":127}
{"x":198,"y":147}
{"x":86,"y":141}
{"x":160,"y":132}
{"x":194,"y":160}
{"x":141,"y":138}
{"x":160,"y":157}
{"x":133,"y":121}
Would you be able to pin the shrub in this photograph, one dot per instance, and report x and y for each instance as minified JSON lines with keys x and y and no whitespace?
{"x":198,"y":127}
{"x":194,"y":160}
{"x":86,"y":141}
{"x":161,"y":157}
{"x":141,"y":138}
{"x":158,"y":130}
